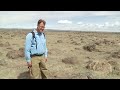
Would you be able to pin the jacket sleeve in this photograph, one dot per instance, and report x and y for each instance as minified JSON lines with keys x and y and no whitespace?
{"x":28,"y":47}
{"x":46,"y":50}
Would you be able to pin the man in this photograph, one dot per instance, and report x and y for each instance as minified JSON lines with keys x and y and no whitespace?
{"x":36,"y":51}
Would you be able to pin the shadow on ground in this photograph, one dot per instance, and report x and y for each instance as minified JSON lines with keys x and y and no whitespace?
{"x":24,"y":75}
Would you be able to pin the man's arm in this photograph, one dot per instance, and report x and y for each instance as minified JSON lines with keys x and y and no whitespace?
{"x":46,"y":51}
{"x":27,"y":47}
{"x":46,"y":54}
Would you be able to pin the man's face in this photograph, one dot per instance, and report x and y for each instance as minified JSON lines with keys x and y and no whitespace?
{"x":41,"y":27}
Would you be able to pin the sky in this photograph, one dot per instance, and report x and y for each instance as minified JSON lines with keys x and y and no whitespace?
{"x":108,"y":21}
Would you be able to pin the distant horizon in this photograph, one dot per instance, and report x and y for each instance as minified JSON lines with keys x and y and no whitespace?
{"x":58,"y":30}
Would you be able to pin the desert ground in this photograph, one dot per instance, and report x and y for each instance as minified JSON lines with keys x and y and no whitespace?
{"x":71,"y":55}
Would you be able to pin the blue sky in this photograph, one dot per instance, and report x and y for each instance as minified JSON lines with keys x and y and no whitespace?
{"x":63,"y":20}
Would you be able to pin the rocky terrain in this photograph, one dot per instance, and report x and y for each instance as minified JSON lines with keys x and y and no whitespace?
{"x":71,"y":55}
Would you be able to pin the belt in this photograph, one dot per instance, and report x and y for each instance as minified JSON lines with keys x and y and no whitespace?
{"x":36,"y":55}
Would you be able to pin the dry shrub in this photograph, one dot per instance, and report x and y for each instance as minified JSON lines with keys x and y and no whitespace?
{"x":15,"y":53}
{"x":102,"y":66}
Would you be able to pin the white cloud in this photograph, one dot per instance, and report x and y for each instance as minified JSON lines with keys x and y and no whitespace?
{"x":79,"y":22}
{"x":107,"y":24}
{"x":65,"y":22}
{"x":105,"y":13}
{"x":21,"y":16}
{"x":117,"y":23}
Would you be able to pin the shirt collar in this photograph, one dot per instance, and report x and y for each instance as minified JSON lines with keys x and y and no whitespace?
{"x":38,"y":33}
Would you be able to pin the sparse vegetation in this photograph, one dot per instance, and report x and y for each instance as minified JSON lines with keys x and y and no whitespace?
{"x":71,"y":55}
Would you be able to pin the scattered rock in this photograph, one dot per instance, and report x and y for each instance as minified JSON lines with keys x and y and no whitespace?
{"x":12,"y":35}
{"x":9,"y":48}
{"x":115,"y":67}
{"x":21,"y":52}
{"x":1,"y":37}
{"x":7,"y":44}
{"x":105,"y":41}
{"x":3,"y":62}
{"x":97,"y":43}
{"x":12,"y":54}
{"x":55,"y":51}
{"x":70,"y":60}
{"x":1,"y":45}
{"x":59,"y":41}
{"x":113,"y":63}
{"x":86,"y":75}
{"x":116,"y":54}
{"x":108,"y":42}
{"x":77,"y":48}
{"x":78,"y":76}
{"x":75,"y":43}
{"x":116,"y":70}
{"x":89,"y":48}
{"x":1,"y":54}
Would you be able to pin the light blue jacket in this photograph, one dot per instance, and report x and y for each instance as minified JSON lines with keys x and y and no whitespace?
{"x":30,"y":45}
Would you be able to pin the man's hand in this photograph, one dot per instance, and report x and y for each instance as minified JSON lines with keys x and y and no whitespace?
{"x":45,"y":59}
{"x":29,"y":64}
